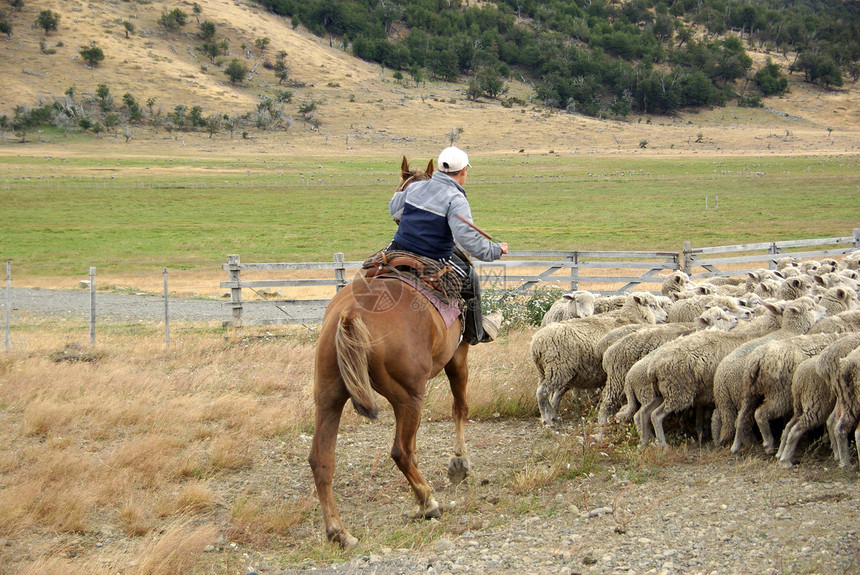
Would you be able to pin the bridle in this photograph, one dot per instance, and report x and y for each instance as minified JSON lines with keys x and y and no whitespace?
{"x":405,"y":183}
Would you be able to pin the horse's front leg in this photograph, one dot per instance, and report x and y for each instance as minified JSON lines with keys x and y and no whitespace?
{"x":457,"y":371}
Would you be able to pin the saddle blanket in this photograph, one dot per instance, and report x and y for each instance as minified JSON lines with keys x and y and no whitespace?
{"x":448,"y":312}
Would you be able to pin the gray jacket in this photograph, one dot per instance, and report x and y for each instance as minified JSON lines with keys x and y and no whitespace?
{"x":428,"y":225}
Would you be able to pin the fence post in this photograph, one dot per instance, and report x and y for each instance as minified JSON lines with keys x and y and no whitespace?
{"x":234,"y":274}
{"x":574,"y":272}
{"x":688,"y":257}
{"x":92,"y":305}
{"x":166,"y":313}
{"x":8,"y":303}
{"x":857,"y":237}
{"x":339,"y":271}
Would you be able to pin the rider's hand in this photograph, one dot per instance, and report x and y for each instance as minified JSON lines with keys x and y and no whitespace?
{"x":504,"y":247}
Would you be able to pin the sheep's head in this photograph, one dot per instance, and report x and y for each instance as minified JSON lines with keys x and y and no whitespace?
{"x":717,"y":318}
{"x":648,"y":307}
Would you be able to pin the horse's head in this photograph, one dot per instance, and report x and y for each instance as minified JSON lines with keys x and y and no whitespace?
{"x":408,"y":175}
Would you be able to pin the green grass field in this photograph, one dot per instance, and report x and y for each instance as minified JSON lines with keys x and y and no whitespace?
{"x":129,"y":213}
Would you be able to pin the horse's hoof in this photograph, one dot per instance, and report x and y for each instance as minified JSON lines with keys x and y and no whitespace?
{"x":432,"y":511}
{"x":458,"y":469}
{"x":344,"y":540}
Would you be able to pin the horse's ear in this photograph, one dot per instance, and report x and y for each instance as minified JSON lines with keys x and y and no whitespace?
{"x":429,"y":170}
{"x":404,"y":168}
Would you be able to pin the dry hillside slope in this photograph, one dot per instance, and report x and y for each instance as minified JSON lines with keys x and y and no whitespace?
{"x":360,"y":106}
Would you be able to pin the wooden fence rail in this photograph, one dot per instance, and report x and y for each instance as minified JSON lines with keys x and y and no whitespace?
{"x":601,"y":272}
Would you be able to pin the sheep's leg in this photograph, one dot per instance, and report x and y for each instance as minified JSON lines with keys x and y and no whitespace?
{"x":831,"y":430}
{"x":763,"y":416}
{"x":743,"y":422}
{"x":629,"y":410}
{"x":857,"y":441}
{"x":794,"y":430}
{"x":700,"y":422}
{"x":646,"y":433}
{"x":546,"y":414}
{"x":609,"y":401}
{"x":840,"y":430}
{"x":554,"y":402}
{"x":786,"y":433}
{"x":716,"y":426}
{"x":728,"y":419}
{"x":657,"y":417}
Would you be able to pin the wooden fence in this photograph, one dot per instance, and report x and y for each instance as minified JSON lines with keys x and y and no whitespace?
{"x":601,"y":272}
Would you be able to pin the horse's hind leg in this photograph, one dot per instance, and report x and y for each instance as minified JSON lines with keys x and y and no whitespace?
{"x":407,"y":415}
{"x":329,"y":407}
{"x":457,"y":371}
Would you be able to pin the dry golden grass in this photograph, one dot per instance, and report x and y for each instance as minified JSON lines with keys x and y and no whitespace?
{"x":154,"y":444}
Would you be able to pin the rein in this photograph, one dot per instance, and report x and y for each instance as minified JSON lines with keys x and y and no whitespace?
{"x":405,"y":183}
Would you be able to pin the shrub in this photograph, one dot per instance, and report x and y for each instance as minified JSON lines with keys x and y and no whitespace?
{"x":520,"y":310}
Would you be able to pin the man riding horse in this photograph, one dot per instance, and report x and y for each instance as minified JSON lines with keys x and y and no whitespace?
{"x":433,"y":219}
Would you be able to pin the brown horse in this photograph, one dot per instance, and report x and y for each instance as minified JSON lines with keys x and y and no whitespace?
{"x":380,"y":335}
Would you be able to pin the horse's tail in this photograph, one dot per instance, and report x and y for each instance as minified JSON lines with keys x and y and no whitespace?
{"x":353,"y":342}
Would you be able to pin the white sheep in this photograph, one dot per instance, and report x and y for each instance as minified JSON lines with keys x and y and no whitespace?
{"x":638,"y":386}
{"x":814,"y":395}
{"x":848,"y":406}
{"x":728,"y":379}
{"x":838,"y":299}
{"x":573,"y":304}
{"x":623,"y":354}
{"x":844,"y":322}
{"x":565,"y":356}
{"x":683,"y":371}
{"x":675,"y":283}
{"x":688,"y":309}
{"x":795,"y":287}
{"x":767,"y":382}
{"x":852,"y":260}
{"x":606,"y":304}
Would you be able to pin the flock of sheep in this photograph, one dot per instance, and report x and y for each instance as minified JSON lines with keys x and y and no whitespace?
{"x":777,"y":344}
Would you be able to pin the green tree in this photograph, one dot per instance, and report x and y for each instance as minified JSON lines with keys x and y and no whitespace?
{"x":173,"y":20}
{"x":282,"y":72}
{"x":262,"y":44}
{"x":770,"y":79}
{"x":207,"y":30}
{"x":417,"y":73}
{"x":236,"y":71}
{"x":6,"y":28}
{"x":214,"y":49}
{"x":48,"y":20}
{"x":105,"y":98}
{"x":491,"y":82}
{"x":135,"y":112}
{"x":129,"y":27}
{"x":93,"y":55}
{"x":196,"y":116}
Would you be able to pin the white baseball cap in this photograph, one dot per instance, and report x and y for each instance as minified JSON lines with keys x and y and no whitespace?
{"x":452,"y":160}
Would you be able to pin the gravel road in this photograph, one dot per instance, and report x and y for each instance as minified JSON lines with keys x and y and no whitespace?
{"x":143,"y":308}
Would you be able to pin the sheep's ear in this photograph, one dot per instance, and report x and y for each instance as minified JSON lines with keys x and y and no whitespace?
{"x":774,"y":307}
{"x":703,"y":321}
{"x":778,"y":273}
{"x":841,"y":293}
{"x":638,"y":300}
{"x":818,"y":279}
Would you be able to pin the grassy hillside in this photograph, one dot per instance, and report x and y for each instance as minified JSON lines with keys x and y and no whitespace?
{"x":360,"y":107}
